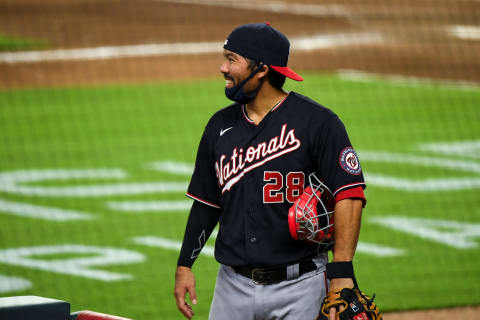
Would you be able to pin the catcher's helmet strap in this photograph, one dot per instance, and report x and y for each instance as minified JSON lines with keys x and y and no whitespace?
{"x":342,"y":269}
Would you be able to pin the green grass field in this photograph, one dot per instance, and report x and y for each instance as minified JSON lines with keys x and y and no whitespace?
{"x":8,"y":43}
{"x":79,"y":153}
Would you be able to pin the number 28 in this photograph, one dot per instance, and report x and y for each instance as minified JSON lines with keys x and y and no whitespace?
{"x":272,"y":190}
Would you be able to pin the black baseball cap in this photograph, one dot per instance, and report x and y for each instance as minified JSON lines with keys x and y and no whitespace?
{"x":261,"y":42}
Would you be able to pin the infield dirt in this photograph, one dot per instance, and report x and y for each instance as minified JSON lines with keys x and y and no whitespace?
{"x":416,"y":37}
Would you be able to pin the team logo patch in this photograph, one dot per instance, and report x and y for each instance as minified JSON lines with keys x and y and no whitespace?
{"x":349,"y":161}
{"x":354,"y":307}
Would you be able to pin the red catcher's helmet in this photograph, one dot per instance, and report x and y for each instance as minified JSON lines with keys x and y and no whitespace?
{"x":310,"y":219}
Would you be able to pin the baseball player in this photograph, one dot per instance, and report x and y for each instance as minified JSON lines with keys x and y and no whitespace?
{"x":254,"y":163}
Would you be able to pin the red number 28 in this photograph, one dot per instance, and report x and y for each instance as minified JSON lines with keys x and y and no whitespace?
{"x":272,"y":190}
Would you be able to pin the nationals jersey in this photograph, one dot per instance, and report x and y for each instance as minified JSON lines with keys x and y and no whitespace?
{"x":254,"y":173}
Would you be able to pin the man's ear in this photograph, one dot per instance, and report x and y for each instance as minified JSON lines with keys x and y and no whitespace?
{"x":263,"y":73}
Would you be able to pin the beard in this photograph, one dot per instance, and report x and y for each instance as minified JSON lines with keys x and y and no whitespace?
{"x":237,"y":92}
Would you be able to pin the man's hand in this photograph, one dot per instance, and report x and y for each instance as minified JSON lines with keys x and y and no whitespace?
{"x":338,"y":284}
{"x":185,"y":282}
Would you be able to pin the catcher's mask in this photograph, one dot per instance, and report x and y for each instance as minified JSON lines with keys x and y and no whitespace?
{"x":312,"y":219}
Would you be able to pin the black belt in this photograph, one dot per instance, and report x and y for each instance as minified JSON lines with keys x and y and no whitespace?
{"x":272,"y":275}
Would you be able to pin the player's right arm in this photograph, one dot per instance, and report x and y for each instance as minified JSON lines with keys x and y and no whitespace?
{"x":201,"y":222}
{"x":203,"y":218}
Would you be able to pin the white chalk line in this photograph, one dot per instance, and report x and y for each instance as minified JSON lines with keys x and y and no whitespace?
{"x":362,"y":247}
{"x":459,"y":235}
{"x":379,"y":250}
{"x":148,"y":206}
{"x":361,"y":76}
{"x":41,"y":212}
{"x":165,"y":243}
{"x":425,"y":185}
{"x":13,"y":182}
{"x":299,"y":44}
{"x":10,"y":284}
{"x":316,"y":10}
{"x":467,"y":149}
{"x":81,"y":266}
{"x":464,"y":32}
{"x":172,"y":167}
{"x":333,"y":40}
{"x":391,"y":157}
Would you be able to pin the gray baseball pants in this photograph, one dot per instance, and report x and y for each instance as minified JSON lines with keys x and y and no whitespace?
{"x":238,"y":298}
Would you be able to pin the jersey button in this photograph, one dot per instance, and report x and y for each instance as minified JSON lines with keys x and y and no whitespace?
{"x":253,"y":239}
{"x":251,"y":210}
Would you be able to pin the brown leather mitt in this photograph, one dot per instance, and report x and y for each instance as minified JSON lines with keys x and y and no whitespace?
{"x":356,"y":305}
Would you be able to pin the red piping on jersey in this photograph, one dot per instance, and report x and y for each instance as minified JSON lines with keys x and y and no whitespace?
{"x":202,"y":201}
{"x":348,"y":186}
{"x":352,"y":193}
{"x":245,"y":115}
{"x":278,"y":104}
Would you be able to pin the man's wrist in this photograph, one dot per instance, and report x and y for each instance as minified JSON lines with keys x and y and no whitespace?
{"x":343,"y":269}
{"x":183,"y":267}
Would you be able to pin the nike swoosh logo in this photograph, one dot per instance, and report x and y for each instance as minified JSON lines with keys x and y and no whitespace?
{"x":222,"y":131}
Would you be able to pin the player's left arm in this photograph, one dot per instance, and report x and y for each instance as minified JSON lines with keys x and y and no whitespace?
{"x":347,"y":215}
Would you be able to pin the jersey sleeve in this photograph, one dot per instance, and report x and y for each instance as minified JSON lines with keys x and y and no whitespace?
{"x":203,"y":186}
{"x":337,"y":162}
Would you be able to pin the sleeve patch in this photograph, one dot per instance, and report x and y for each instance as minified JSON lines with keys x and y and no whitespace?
{"x":349,"y":161}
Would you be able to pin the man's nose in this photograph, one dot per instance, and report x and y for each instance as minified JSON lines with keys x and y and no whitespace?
{"x":223,"y":68}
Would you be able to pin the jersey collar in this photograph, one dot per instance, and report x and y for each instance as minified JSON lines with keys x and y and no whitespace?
{"x":275,"y":107}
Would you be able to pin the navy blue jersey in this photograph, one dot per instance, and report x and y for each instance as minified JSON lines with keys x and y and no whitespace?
{"x":254,"y":173}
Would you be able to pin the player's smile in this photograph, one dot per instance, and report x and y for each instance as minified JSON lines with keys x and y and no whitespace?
{"x":229,"y":82}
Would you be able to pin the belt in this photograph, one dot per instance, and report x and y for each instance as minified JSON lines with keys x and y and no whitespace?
{"x":272,"y":275}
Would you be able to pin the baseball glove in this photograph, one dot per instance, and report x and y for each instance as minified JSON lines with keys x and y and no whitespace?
{"x":351,"y":304}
